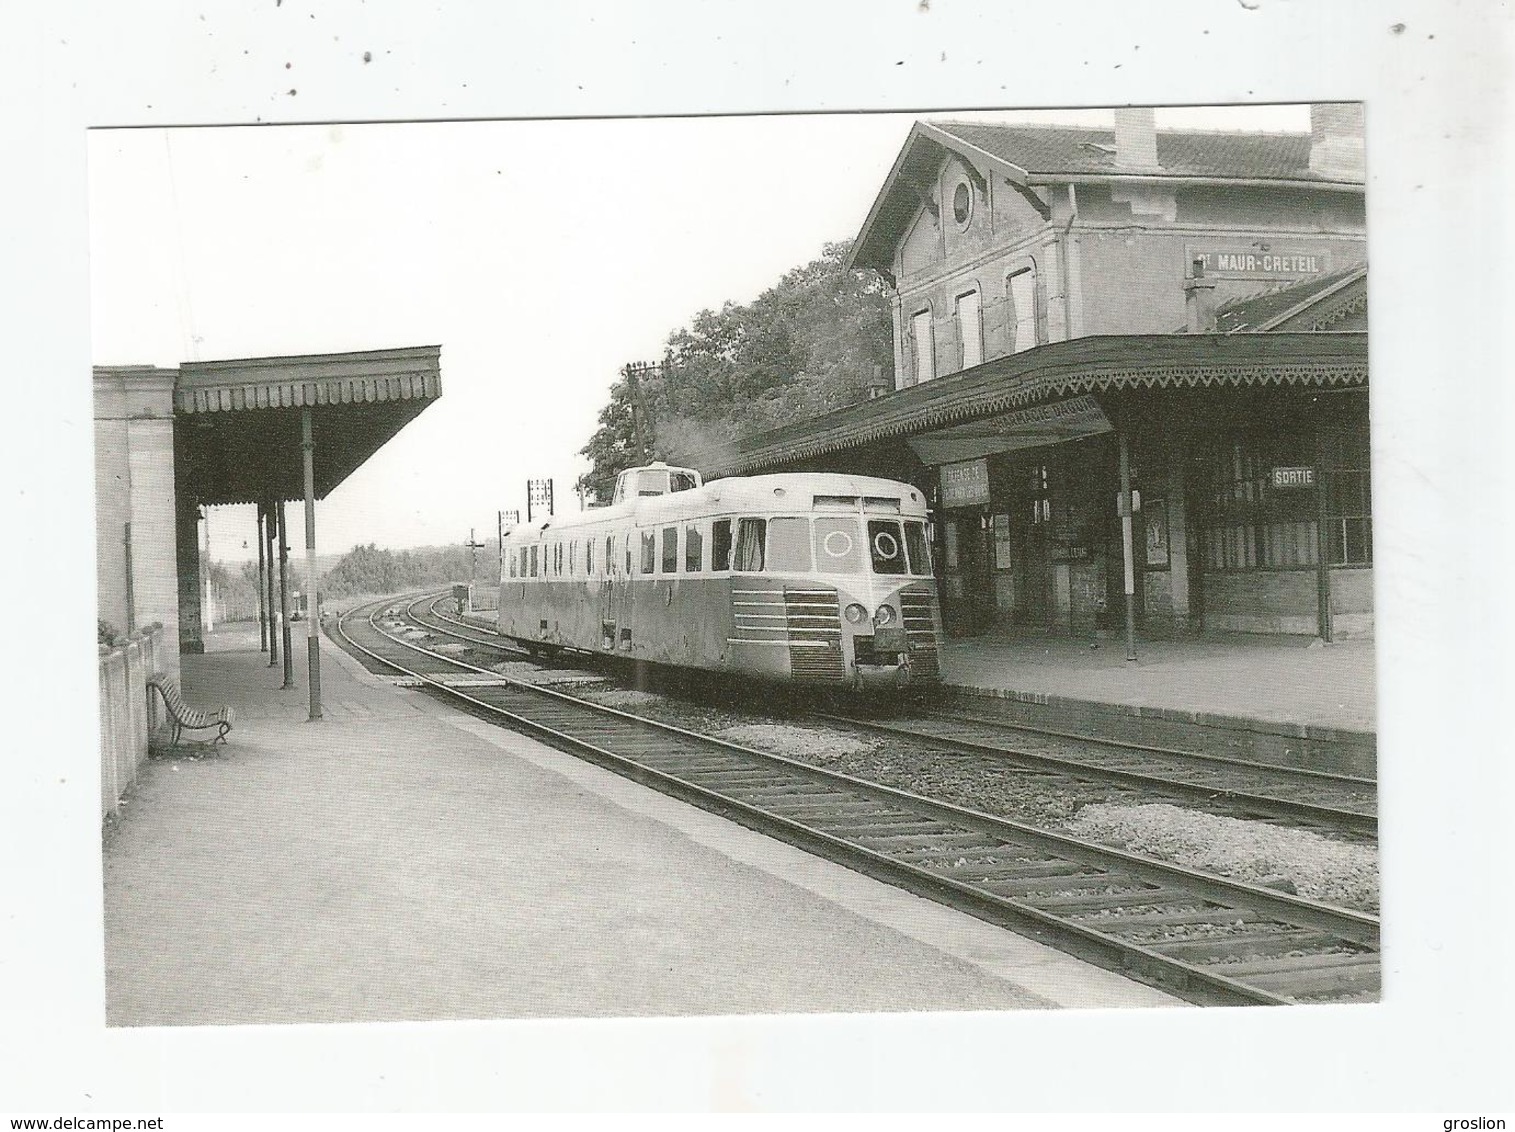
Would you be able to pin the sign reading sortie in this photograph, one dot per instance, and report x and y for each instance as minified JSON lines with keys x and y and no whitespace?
{"x":1293,"y":477}
{"x":1256,"y":263}
{"x":965,"y":484}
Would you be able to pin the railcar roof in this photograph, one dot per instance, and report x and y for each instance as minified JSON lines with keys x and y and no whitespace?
{"x":735,"y":494}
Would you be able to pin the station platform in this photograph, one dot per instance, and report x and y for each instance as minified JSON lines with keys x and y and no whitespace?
{"x":1288,"y":700}
{"x":399,"y":861}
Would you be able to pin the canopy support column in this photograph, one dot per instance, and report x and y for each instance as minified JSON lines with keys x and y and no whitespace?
{"x":1128,"y":555}
{"x":312,"y":599}
{"x":262,"y":608}
{"x":289,"y":660}
{"x":269,"y":523}
{"x":1322,"y":521}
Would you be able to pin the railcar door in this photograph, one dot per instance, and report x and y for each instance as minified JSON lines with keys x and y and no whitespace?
{"x":616,"y":617}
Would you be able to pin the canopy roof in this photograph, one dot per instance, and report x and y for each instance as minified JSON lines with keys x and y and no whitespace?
{"x":237,"y":427}
{"x":938,"y":410}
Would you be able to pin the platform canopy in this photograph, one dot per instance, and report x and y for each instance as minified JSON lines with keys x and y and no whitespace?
{"x":1050,"y":394}
{"x":237,"y":423}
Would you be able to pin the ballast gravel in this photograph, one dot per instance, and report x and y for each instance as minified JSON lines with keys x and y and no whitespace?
{"x":1335,"y":872}
{"x":809,"y":743}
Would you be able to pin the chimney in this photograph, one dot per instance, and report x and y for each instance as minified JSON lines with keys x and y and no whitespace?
{"x":1136,"y":137}
{"x":1336,"y":141}
{"x":1199,"y":300}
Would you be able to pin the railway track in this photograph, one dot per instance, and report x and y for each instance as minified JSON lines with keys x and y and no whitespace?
{"x":1327,"y":803}
{"x":1313,"y":799}
{"x":1206,"y":939}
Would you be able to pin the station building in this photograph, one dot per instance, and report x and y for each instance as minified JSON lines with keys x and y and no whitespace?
{"x":1082,"y":317}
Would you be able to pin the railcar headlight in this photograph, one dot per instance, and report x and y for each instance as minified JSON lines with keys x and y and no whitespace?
{"x":856,"y":614}
{"x":884,"y":616}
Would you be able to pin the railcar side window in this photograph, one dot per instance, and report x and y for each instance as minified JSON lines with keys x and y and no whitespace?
{"x":694,"y":548}
{"x":838,"y":546}
{"x":649,"y":552}
{"x":789,"y":545}
{"x":720,"y":545}
{"x":589,"y":556}
{"x":670,"y":561}
{"x":750,"y":536}
{"x":887,"y":547}
{"x":916,"y":544}
{"x":511,"y":561}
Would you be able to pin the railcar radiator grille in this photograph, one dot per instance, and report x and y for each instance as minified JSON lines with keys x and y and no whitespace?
{"x":814,"y":620}
{"x":921,"y":617}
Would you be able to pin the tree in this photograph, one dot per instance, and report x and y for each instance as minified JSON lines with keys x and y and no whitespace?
{"x":810,"y":344}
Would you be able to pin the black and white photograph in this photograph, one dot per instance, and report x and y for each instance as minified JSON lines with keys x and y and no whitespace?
{"x":671,"y":596}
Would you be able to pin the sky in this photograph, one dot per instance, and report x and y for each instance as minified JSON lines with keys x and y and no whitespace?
{"x":541,"y":255}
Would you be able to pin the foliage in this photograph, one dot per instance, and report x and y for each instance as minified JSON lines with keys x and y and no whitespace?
{"x":810,"y":344}
{"x":370,"y":570}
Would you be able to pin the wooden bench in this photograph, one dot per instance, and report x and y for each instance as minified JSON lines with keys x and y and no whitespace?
{"x":184,"y":718}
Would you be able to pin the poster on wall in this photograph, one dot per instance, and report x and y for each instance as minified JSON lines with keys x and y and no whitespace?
{"x":1002,"y":545}
{"x":1156,"y":523}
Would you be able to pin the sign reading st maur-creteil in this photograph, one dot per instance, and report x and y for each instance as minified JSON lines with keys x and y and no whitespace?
{"x":1260,"y":262}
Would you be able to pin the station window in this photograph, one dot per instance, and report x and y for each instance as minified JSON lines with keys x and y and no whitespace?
{"x":1252,"y":525}
{"x":649,"y":552}
{"x":720,"y":545}
{"x":1040,"y":494}
{"x":1024,"y":308}
{"x":751,"y":534}
{"x":670,"y":550}
{"x":1349,"y":498}
{"x":920,"y":335}
{"x":694,"y":548}
{"x":512,"y":563}
{"x":970,"y":329}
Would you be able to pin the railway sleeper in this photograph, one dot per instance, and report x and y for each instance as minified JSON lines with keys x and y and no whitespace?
{"x":1210,"y":915}
{"x":1243,"y":947}
{"x":943,"y":842}
{"x":1349,"y":963}
{"x":981,"y":873}
{"x":1057,"y":884}
{"x":1332,"y":982}
{"x":1062,"y":905}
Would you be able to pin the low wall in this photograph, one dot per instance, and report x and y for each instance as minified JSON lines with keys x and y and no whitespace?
{"x":126,"y":716}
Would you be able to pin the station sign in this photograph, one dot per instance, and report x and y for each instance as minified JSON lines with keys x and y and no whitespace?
{"x":1259,"y":263}
{"x":965,"y":484}
{"x":1293,"y":477}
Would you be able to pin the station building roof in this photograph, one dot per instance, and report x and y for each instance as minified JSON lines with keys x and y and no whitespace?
{"x":1027,"y":156}
{"x":1338,"y":301}
{"x":1046,"y":394}
{"x":237,"y":428}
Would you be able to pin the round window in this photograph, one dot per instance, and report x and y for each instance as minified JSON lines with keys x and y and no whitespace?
{"x":962,"y":202}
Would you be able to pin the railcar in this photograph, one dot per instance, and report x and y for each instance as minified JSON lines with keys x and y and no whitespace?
{"x":814,"y":578}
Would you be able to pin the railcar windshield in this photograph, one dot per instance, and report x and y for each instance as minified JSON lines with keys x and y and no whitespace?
{"x":919,"y":548}
{"x":838,"y":546}
{"x":789,"y":546}
{"x":887,"y":546}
